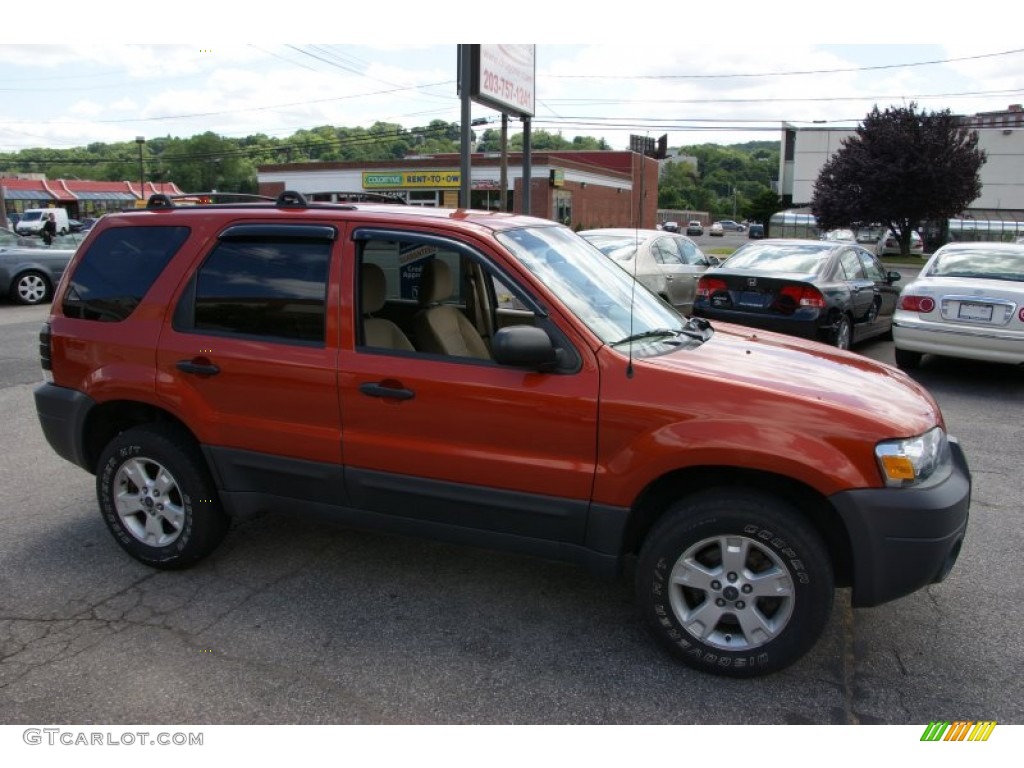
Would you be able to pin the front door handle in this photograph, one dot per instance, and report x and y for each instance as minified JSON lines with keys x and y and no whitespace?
{"x":203,"y":368}
{"x":376,"y":389}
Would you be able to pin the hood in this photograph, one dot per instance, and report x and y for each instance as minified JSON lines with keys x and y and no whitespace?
{"x":747,"y":364}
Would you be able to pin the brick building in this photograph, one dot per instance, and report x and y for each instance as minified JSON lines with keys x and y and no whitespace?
{"x":583,"y":189}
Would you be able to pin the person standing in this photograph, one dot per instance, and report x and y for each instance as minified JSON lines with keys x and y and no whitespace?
{"x":49,"y":230}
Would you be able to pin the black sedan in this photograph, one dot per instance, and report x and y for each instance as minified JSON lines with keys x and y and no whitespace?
{"x":834,"y":292}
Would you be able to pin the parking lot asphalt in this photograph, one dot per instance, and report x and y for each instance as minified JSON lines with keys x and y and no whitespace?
{"x":300,"y":621}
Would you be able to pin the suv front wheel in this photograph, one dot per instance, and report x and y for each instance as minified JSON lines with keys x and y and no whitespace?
{"x":735,"y":583}
{"x":157,"y":497}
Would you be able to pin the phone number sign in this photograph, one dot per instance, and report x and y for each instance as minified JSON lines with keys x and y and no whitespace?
{"x":503,"y":77}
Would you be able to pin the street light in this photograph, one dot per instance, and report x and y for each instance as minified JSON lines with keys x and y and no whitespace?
{"x":140,"y":140}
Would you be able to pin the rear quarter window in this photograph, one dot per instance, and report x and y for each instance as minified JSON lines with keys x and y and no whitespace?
{"x":118,"y":269}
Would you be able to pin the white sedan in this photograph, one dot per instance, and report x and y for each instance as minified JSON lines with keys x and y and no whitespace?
{"x":890,"y":246}
{"x":968,"y":302}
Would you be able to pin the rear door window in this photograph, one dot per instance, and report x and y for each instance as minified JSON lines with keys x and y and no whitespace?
{"x":262,"y":281}
{"x":120,"y":266}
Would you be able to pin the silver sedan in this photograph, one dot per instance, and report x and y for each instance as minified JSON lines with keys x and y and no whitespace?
{"x":967,"y":302}
{"x":665,"y":263}
{"x":28,"y":274}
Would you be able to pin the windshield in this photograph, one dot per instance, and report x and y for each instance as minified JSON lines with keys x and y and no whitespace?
{"x":617,"y":247}
{"x":31,"y":215}
{"x":840,"y":235}
{"x":992,"y":264}
{"x":781,"y":257}
{"x":592,"y":287}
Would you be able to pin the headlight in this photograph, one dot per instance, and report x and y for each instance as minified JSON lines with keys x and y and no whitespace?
{"x":908,"y":462}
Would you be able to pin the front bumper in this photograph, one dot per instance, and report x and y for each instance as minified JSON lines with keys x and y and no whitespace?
{"x":903,"y":539}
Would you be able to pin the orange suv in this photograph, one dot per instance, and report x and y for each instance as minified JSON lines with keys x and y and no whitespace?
{"x":490,"y":379}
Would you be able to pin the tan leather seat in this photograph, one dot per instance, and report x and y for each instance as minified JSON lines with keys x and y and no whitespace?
{"x":378,"y":332}
{"x":442,"y":328}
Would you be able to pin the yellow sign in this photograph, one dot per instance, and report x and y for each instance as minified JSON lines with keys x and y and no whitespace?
{"x":411,"y":179}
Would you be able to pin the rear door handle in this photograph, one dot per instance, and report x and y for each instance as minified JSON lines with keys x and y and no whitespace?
{"x":376,"y":389}
{"x":196,"y":368}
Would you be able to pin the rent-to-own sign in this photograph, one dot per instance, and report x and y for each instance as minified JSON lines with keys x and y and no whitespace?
{"x":411,"y":179}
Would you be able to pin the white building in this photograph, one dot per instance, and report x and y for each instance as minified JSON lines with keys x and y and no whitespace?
{"x":1000,"y":134}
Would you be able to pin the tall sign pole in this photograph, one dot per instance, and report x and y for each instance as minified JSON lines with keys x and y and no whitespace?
{"x":503,"y":182}
{"x":465,"y":90}
{"x":527,"y":167}
{"x":502,"y":77}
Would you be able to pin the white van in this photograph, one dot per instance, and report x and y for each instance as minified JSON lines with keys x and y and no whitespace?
{"x":31,"y":221}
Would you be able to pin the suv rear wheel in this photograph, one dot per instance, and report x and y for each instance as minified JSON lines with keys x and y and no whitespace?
{"x":735,"y":583}
{"x":157,"y":497}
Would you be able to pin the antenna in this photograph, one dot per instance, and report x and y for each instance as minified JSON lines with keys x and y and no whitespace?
{"x":636,"y":245}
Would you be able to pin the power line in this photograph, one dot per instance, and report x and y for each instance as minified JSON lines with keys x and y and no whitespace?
{"x":792,"y":73}
{"x":807,"y":99}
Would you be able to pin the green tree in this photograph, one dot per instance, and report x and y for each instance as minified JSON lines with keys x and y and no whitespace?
{"x":762,"y":207}
{"x":902,"y":168}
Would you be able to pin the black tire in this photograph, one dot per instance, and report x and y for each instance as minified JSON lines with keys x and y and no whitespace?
{"x":158,"y":499}
{"x":31,"y":288}
{"x":842,"y":333}
{"x":907,"y":360}
{"x":743,"y":634}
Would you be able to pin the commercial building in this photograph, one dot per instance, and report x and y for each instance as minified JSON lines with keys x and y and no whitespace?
{"x":582,"y":189}
{"x":1000,"y":135}
{"x":79,"y":198}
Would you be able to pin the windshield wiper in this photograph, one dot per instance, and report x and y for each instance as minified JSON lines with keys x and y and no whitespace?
{"x":655,"y":333}
{"x":696,"y":328}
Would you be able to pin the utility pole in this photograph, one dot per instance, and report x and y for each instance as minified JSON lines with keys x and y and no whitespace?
{"x":141,"y":140}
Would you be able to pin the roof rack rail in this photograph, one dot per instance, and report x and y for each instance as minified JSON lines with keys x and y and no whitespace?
{"x":204,"y":198}
{"x":287,"y":199}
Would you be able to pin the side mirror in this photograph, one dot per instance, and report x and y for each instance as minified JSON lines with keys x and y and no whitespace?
{"x":524,"y":346}
{"x":894,"y":277}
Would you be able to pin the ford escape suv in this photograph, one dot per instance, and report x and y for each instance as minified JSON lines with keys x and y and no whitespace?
{"x":494,"y":380}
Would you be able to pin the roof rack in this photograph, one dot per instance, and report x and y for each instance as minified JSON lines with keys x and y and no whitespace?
{"x":204,"y":198}
{"x":287,"y":199}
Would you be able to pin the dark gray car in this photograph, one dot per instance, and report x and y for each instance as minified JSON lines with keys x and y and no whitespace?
{"x":28,"y":274}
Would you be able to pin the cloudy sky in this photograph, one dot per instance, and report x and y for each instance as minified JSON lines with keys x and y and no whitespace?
{"x":707,"y":78}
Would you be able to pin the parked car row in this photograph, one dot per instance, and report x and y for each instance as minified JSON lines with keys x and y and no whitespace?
{"x":968,"y":301}
{"x":879,"y":240}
